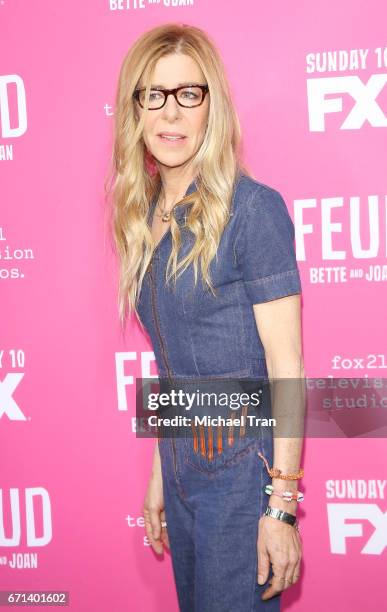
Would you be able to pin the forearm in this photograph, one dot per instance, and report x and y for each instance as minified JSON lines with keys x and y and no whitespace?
{"x":287,"y":386}
{"x":156,"y":467}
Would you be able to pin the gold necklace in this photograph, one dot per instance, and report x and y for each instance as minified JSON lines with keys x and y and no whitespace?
{"x":165,"y":215}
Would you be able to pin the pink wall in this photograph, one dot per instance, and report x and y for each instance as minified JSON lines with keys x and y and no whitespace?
{"x":64,"y":438}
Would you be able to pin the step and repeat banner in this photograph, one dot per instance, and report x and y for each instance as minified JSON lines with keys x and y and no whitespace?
{"x":309,"y":81}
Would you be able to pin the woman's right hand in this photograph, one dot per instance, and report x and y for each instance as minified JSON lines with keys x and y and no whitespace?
{"x":154,"y":514}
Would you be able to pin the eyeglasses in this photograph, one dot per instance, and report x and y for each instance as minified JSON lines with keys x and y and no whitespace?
{"x":187,"y":96}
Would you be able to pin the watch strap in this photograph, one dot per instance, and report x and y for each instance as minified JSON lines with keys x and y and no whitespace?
{"x":281,"y":515}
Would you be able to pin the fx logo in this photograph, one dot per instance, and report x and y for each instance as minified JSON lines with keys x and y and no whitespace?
{"x":339,"y":530}
{"x":6,"y":130}
{"x":365,"y":108}
{"x":8,"y":405}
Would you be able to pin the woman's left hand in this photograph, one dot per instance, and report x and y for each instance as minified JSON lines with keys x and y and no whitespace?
{"x":279,"y":544}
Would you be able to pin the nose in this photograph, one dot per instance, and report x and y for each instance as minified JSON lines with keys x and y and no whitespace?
{"x":171,"y":108}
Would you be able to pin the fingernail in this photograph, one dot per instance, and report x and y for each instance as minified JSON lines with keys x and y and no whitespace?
{"x":260,"y":579}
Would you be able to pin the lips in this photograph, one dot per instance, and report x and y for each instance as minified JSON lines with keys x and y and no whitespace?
{"x":176,"y":134}
{"x":172,"y":138}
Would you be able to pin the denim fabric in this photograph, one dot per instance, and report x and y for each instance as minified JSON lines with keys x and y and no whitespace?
{"x":212,"y":511}
{"x":194,"y":333}
{"x":213,"y":505}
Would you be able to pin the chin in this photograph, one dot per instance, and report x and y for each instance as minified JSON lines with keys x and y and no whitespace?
{"x":171,"y":160}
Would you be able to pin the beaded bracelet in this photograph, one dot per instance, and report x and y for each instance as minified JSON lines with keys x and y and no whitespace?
{"x":286,"y":495}
{"x":277,"y":473}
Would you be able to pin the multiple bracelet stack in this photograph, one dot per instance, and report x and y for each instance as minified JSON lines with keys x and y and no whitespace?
{"x":288,"y":496}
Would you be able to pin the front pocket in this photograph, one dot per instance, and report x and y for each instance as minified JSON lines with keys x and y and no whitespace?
{"x":212,"y":449}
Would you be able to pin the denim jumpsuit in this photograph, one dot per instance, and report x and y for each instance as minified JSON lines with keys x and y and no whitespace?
{"x":213,"y":492}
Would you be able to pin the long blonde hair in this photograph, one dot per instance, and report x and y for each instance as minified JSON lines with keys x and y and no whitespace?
{"x":217,"y":164}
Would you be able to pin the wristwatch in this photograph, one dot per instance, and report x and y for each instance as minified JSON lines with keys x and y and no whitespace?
{"x":281,"y":515}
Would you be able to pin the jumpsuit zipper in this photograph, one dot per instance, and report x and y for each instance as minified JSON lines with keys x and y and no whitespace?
{"x":155,"y":317}
{"x":153,"y":293}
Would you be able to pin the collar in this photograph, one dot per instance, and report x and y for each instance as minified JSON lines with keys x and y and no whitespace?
{"x":180,"y":208}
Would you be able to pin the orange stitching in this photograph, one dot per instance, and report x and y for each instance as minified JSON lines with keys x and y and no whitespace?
{"x":220,"y":439}
{"x":230,"y":436}
{"x":195,"y":438}
{"x":210,"y":444}
{"x":202,"y":440}
{"x":242,"y":431}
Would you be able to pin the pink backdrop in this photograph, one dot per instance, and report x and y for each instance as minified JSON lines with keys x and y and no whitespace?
{"x":73,"y":474}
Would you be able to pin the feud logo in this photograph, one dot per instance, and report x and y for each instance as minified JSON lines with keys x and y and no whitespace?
{"x":32,"y":503}
{"x":13,"y":106}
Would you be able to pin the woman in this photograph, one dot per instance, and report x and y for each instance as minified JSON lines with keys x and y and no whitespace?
{"x":208,"y":267}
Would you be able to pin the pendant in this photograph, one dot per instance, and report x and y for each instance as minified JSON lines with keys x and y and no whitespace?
{"x":166,"y":216}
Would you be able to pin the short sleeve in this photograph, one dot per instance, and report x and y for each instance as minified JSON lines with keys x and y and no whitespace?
{"x":265,"y":248}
